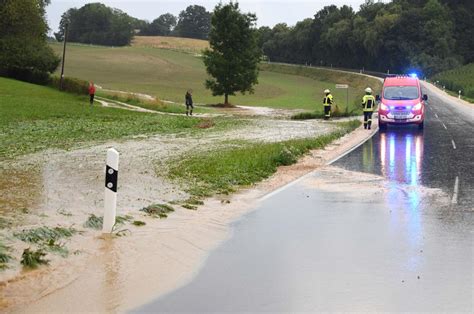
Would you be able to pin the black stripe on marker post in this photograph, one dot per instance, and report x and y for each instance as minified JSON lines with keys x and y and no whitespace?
{"x":111,"y":177}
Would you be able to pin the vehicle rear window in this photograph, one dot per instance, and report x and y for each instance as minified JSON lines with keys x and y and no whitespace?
{"x":401,"y":92}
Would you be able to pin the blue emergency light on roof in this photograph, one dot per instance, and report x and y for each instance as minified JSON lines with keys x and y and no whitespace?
{"x":413,"y":75}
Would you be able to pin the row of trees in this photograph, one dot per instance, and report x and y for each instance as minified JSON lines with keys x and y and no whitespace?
{"x":425,"y":35}
{"x":24,"y":52}
{"x":95,"y":23}
{"x":193,"y":22}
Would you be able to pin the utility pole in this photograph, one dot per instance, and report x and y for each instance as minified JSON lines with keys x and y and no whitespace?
{"x":64,"y":57}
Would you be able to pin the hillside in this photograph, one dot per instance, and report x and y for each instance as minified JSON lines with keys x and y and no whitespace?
{"x":34,"y":118}
{"x":188,"y":45}
{"x":459,"y":79}
{"x":167,"y":74}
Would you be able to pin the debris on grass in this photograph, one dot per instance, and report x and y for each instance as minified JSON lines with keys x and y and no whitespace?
{"x":206,"y":123}
{"x":32,"y":259}
{"x":121,"y":220}
{"x":122,"y":233}
{"x":158,"y":210}
{"x":138,"y":223}
{"x":24,"y":210}
{"x":95,"y":222}
{"x":64,"y":212}
{"x":4,"y":223}
{"x":190,"y":207}
{"x":45,"y":234}
{"x":55,"y":247}
{"x":5,"y":257}
{"x":194,"y":201}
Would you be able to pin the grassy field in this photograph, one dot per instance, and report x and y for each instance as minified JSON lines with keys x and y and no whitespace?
{"x":189,"y":45}
{"x":458,"y":79}
{"x":167,"y":74}
{"x":34,"y":118}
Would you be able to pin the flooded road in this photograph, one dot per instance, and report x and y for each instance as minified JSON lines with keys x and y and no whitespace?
{"x":387,"y":228}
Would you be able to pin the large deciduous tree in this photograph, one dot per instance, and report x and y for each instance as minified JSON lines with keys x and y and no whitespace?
{"x":194,"y":22}
{"x":24,"y":53}
{"x":234,"y":54}
{"x":161,"y":26}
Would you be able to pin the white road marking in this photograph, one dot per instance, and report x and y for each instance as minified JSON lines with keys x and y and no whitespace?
{"x":454,"y":200}
{"x":454,"y":144}
{"x":436,"y":115}
{"x":290,"y":184}
{"x":444,"y":126}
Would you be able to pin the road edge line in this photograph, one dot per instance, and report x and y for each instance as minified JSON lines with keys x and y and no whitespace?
{"x":290,"y":184}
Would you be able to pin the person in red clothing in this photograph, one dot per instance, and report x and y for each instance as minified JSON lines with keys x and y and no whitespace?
{"x":91,"y":92}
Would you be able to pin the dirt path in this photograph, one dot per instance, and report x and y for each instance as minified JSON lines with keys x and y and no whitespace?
{"x":231,"y":111}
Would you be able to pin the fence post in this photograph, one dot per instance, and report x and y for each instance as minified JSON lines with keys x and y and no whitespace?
{"x":110,"y":199}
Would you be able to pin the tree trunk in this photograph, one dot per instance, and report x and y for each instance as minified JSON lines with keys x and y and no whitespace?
{"x":226,"y":101}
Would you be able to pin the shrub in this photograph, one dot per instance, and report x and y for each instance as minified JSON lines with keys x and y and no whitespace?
{"x":70,"y":85}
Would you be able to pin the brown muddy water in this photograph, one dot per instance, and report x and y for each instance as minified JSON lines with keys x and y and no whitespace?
{"x":62,"y":188}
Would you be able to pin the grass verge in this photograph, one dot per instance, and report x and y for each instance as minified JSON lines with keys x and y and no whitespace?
{"x":336,"y":113}
{"x":222,"y":171}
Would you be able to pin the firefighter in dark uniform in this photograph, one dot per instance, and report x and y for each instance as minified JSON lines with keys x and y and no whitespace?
{"x":327,"y":102}
{"x":368,"y":105}
{"x":189,"y":103}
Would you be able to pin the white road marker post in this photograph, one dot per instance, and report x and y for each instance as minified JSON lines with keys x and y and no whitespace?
{"x":346,"y":87}
{"x":110,"y":199}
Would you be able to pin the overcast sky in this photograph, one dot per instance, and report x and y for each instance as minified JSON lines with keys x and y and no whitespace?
{"x":269,"y":12}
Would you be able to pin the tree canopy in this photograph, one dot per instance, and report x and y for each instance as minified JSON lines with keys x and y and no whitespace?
{"x":232,"y":60}
{"x":24,"y":53}
{"x":161,"y":26}
{"x":194,"y":22}
{"x":95,"y":23}
{"x":402,"y":35}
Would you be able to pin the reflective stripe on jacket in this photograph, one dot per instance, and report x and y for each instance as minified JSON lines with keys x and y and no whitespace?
{"x":327,"y":101}
{"x":368,"y":102}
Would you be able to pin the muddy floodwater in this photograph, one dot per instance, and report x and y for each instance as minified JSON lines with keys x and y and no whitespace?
{"x":63,"y":188}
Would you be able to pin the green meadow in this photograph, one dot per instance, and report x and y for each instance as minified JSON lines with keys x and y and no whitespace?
{"x":167,"y":74}
{"x":459,"y":79}
{"x":35,"y":117}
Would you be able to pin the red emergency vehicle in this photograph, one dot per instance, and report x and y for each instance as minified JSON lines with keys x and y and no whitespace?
{"x":401,"y":102}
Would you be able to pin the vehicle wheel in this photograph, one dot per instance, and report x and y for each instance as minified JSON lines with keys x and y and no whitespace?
{"x":421,"y":125}
{"x":382,"y":127}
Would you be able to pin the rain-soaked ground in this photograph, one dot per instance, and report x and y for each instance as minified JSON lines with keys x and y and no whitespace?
{"x":389,"y":227}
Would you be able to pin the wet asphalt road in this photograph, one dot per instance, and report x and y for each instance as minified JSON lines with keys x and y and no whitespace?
{"x":313,"y":249}
{"x":434,"y":157}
